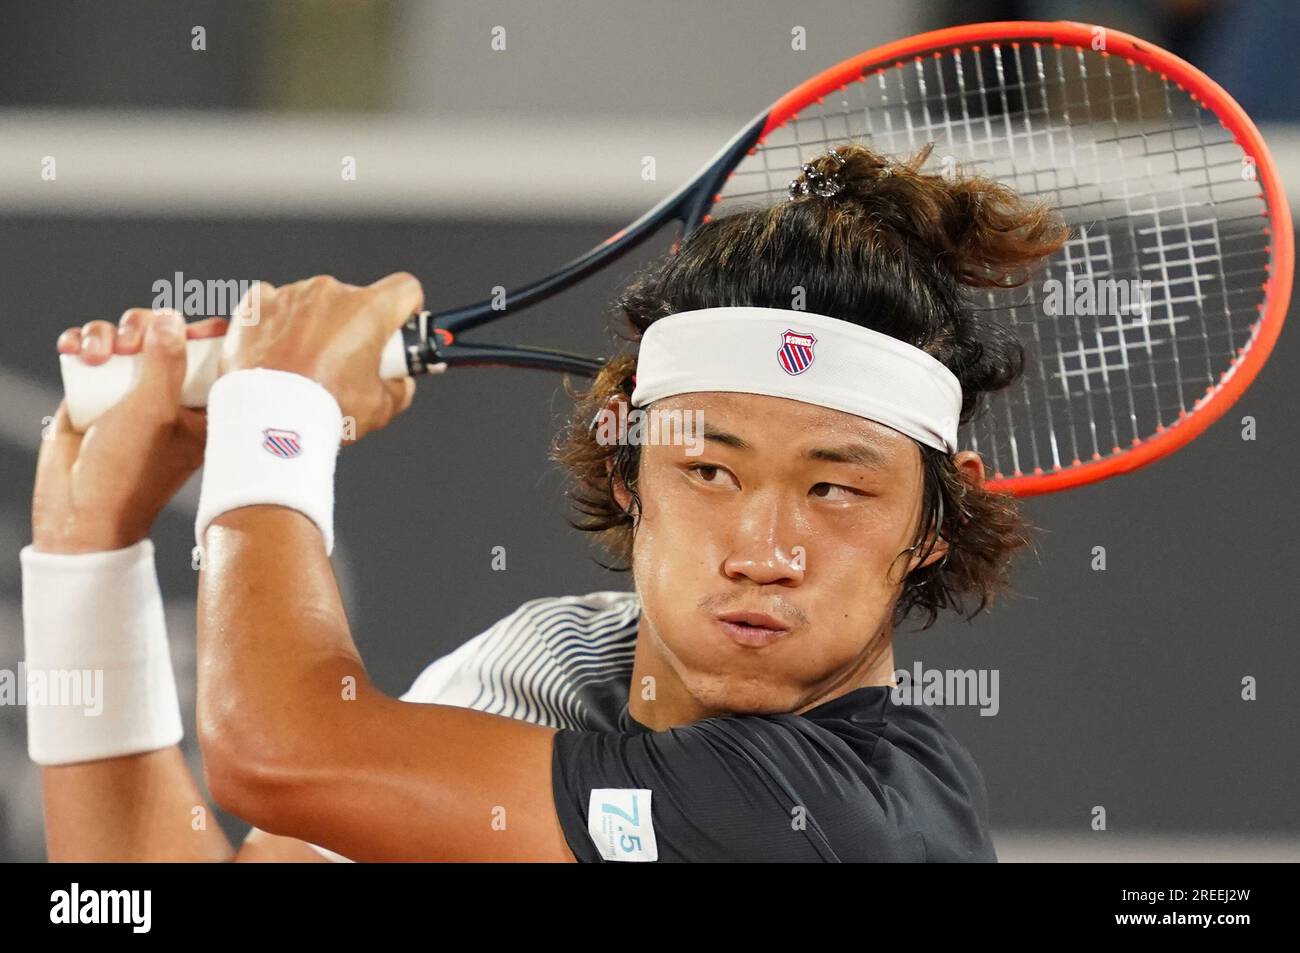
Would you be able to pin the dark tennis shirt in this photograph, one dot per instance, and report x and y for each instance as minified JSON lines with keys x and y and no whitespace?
{"x":859,"y":778}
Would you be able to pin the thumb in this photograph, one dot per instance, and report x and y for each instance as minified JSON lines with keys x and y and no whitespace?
{"x":59,"y":446}
{"x":399,"y":296}
{"x":162,"y":370}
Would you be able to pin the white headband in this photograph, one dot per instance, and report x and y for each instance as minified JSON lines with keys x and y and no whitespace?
{"x":805,"y":357}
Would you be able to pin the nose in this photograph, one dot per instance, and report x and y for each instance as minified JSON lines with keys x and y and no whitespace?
{"x":764,"y":550}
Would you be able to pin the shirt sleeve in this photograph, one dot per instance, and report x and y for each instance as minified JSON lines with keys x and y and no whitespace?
{"x":563,"y":662}
{"x":776,"y":788}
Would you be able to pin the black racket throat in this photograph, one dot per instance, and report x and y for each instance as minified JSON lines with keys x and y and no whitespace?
{"x":430,"y":348}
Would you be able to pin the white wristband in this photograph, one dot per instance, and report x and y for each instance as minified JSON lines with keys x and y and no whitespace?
{"x":98,"y":673}
{"x":273,"y":438}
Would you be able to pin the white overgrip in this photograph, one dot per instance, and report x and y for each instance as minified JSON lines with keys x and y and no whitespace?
{"x":91,"y":390}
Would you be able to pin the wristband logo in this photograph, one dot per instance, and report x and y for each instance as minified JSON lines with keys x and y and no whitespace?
{"x":796,"y":354}
{"x":284,"y":444}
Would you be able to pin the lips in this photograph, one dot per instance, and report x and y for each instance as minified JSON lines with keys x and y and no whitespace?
{"x":752,"y":629}
{"x":759,"y":620}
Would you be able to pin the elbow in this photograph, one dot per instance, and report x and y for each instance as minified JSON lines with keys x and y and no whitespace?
{"x":273,"y":758}
{"x":249,"y":772}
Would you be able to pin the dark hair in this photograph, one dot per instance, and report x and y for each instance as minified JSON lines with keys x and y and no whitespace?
{"x":887,"y":247}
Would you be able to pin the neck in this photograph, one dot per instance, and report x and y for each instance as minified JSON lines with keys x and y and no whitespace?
{"x":659,"y":699}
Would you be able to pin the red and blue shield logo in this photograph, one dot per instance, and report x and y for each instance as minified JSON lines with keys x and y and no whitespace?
{"x":796,"y":354}
{"x":282,"y":443}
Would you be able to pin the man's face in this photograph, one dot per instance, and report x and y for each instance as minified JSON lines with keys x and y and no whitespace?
{"x":793,"y":511}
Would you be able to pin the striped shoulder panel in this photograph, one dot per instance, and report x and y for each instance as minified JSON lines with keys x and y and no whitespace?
{"x":561,"y":661}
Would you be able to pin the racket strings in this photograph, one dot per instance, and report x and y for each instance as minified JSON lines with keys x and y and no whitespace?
{"x":1163,"y":210}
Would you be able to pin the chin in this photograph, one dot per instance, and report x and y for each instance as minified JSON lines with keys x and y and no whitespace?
{"x":740,"y":696}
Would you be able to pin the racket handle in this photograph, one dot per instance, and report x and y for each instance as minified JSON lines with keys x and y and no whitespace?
{"x":92,"y":390}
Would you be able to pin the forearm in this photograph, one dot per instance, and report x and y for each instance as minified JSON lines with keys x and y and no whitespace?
{"x":103,"y":716}
{"x":276,"y":657}
{"x":141,"y":807}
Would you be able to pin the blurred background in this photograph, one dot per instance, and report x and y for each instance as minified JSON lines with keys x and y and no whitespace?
{"x":208,"y":138}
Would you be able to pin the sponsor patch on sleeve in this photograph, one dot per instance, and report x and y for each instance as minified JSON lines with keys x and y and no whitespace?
{"x":620,"y":824}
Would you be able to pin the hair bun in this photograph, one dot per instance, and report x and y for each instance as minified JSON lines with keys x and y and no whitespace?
{"x":843,"y":172}
{"x":817,"y":181}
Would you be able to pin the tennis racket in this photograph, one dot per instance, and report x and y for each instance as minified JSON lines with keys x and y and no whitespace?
{"x":1166,"y":183}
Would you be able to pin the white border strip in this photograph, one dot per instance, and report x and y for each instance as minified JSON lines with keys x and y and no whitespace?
{"x":221,"y":164}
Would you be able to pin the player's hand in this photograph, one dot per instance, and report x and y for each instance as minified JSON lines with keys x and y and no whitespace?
{"x":334,"y":334}
{"x":103,"y":489}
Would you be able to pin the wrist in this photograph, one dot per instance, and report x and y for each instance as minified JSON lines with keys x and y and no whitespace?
{"x":86,"y":541}
{"x":273,"y":439}
{"x":94,"y":630}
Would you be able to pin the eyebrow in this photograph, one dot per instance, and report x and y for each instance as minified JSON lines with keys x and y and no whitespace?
{"x":859,"y":454}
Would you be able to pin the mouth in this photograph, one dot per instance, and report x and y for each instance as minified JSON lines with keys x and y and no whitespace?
{"x":752,"y":629}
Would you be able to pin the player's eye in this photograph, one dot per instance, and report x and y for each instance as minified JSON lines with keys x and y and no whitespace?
{"x":834,"y":491}
{"x":711,"y":475}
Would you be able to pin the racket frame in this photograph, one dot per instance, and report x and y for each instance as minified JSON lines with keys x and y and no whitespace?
{"x":433,"y":338}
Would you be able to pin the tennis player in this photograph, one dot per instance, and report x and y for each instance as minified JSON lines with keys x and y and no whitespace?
{"x":737,"y":706}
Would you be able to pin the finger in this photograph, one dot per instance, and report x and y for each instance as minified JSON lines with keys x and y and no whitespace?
{"x":97,"y":342}
{"x":408,"y":386}
{"x":399,"y":296}
{"x":194,"y":423}
{"x":312,"y":293}
{"x":69,"y":341}
{"x":249,"y":309}
{"x":58,"y":452}
{"x":400,"y":394}
{"x":162,"y":370}
{"x":130,"y":330}
{"x":318,"y":283}
{"x":310,"y":288}
{"x":207,"y":328}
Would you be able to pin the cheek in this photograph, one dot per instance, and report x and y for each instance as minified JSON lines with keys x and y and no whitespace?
{"x":858,"y":543}
{"x":672,"y":545}
{"x":860,"y":559}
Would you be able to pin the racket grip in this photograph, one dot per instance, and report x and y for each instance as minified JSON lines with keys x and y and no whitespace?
{"x":92,"y":390}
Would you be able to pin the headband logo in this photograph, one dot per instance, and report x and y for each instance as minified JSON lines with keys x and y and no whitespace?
{"x":796,"y":354}
{"x":284,"y":444}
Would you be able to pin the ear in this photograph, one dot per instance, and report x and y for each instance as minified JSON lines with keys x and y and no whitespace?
{"x":971,"y":466}
{"x":621,"y":494}
{"x":940,"y":551}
